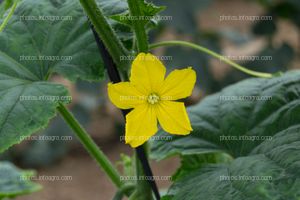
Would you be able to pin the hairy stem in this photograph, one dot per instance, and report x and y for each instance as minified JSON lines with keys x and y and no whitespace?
{"x":142,"y":165}
{"x":91,"y":146}
{"x":214,"y":54}
{"x":10,"y":14}
{"x":139,"y":25}
{"x":106,"y":33}
{"x":143,"y":187}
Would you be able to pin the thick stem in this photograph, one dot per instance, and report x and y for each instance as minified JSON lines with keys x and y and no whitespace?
{"x":10,"y":14}
{"x":139,"y":25}
{"x":106,"y":33}
{"x":144,"y":187}
{"x":91,"y":146}
{"x":214,"y":54}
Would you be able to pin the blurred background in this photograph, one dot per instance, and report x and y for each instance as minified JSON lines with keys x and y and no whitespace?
{"x":241,"y":30}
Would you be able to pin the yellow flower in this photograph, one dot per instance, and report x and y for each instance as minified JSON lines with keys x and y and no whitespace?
{"x":152,"y":98}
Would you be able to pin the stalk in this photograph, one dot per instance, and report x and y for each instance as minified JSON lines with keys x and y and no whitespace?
{"x":139,"y":25}
{"x":213,"y":54}
{"x":91,"y":146}
{"x":106,"y":33}
{"x":10,"y":14}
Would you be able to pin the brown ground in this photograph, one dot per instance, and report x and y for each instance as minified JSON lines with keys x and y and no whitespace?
{"x":88,"y":182}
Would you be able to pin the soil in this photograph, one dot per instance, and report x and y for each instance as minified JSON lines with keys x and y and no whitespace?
{"x":88,"y":182}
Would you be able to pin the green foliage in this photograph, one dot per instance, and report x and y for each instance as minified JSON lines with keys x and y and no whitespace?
{"x":274,"y":162}
{"x":216,"y":120}
{"x":15,"y":182}
{"x":149,"y":11}
{"x":56,"y":38}
{"x":5,"y":5}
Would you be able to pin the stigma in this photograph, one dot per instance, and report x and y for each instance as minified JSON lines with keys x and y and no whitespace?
{"x":153,"y":98}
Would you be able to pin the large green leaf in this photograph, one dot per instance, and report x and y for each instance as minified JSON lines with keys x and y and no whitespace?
{"x":15,"y":182}
{"x":270,"y":172}
{"x":261,"y":135}
{"x":47,"y":36}
{"x":43,"y":37}
{"x":213,"y":119}
{"x":21,"y":111}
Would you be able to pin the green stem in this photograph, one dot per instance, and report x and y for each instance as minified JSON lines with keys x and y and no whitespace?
{"x":214,"y":54}
{"x":126,"y":189}
{"x":10,"y":14}
{"x":134,"y":196}
{"x":142,"y":186}
{"x":91,"y":146}
{"x":139,"y":25}
{"x":106,"y":33}
{"x":143,"y":189}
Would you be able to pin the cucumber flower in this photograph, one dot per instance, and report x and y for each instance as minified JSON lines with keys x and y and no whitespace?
{"x":151,"y":97}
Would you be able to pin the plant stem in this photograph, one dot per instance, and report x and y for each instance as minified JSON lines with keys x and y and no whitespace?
{"x":106,"y":33}
{"x":115,"y":78}
{"x":143,"y":187}
{"x":142,"y":165}
{"x":214,"y":54}
{"x":126,"y":189}
{"x":139,"y":25}
{"x":90,"y":146}
{"x":10,"y":14}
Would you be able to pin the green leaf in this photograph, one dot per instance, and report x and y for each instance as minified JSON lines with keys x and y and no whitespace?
{"x":22,"y":113}
{"x":56,"y":37}
{"x":15,"y":182}
{"x":261,"y":135}
{"x":149,"y":10}
{"x":43,"y":37}
{"x":270,"y":172}
{"x":215,"y":119}
{"x":193,"y":162}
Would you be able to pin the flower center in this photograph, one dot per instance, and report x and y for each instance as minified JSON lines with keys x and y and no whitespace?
{"x":153,"y":98}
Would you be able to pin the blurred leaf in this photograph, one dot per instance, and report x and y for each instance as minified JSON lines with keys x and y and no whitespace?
{"x":272,"y":59}
{"x":277,"y":59}
{"x":288,"y":9}
{"x":15,"y":182}
{"x":183,"y":13}
{"x":265,"y":27}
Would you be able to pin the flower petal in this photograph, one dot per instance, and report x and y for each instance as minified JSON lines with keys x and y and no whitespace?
{"x":179,"y":84}
{"x":173,"y":117}
{"x":147,"y":73}
{"x":124,"y":95}
{"x":141,"y":124}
